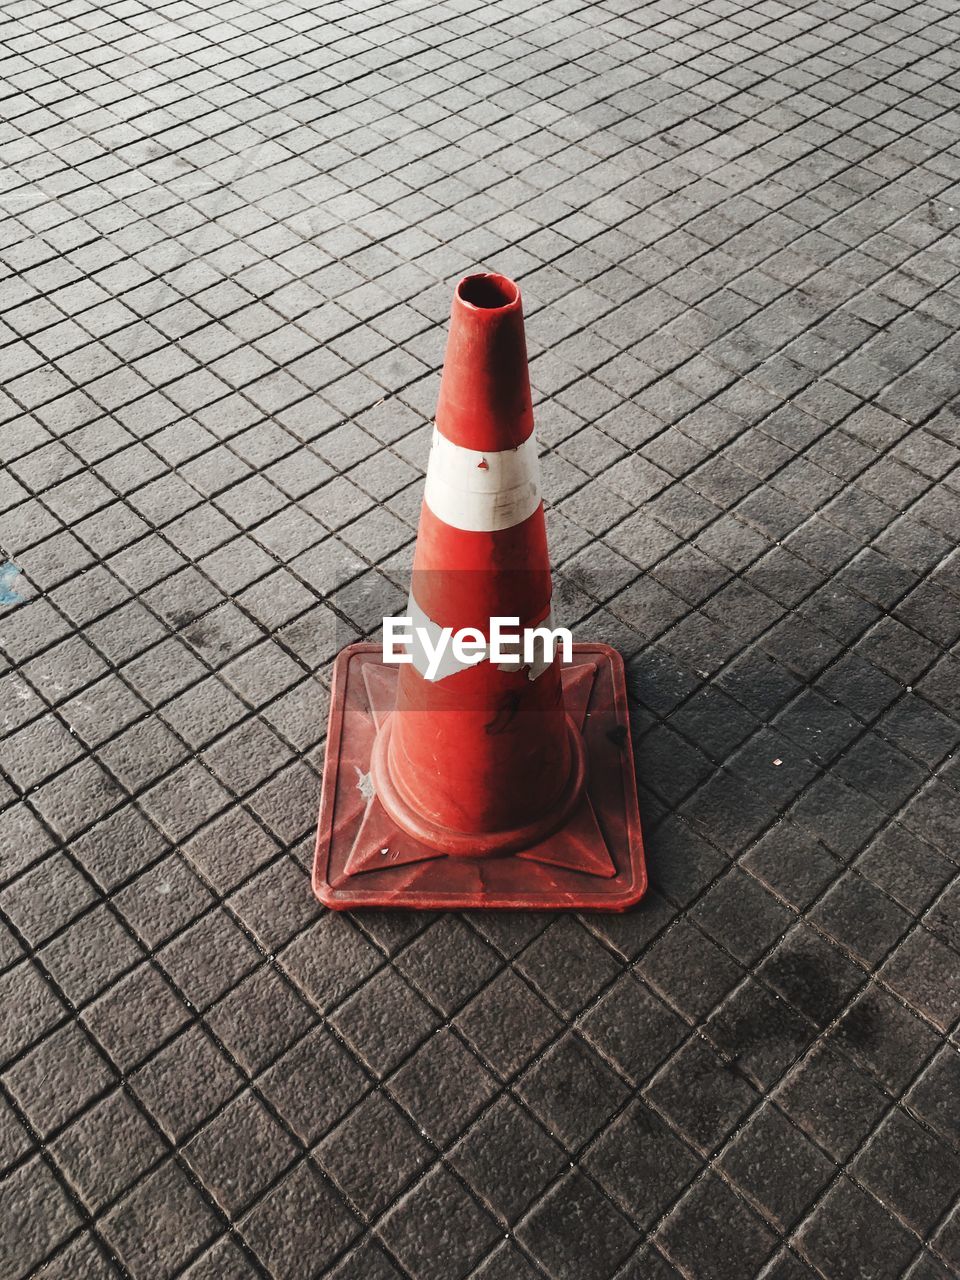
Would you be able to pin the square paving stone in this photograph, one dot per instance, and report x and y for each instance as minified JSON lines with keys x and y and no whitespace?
{"x":163,"y":900}
{"x":507,"y":1023}
{"x":758,"y":1030}
{"x":946,"y":1242}
{"x":438,"y":1209}
{"x":647,"y":1263}
{"x":47,"y":898}
{"x":76,"y":798}
{"x":681,"y":863}
{"x":372,"y":1154}
{"x":572,"y":1091}
{"x":712,"y":1233}
{"x":832,"y":1099}
{"x":390,"y":930}
{"x":927,"y":975}
{"x":314,"y":1084}
{"x":366,"y":1262}
{"x":508,"y":1159}
{"x":739,"y":914}
{"x":632,"y":1029}
{"x":35,"y":1216}
{"x":226,"y":1258}
{"x":913,"y":1171}
{"x":300,"y":1226}
{"x":448,"y":963}
{"x":118,"y":847}
{"x":792,"y":863}
{"x":159,"y":1224}
{"x":878,"y":1032}
{"x":442,"y":1086}
{"x":849,"y":1234}
{"x":505,"y":1263}
{"x":209,"y":958}
{"x":239,"y":1153}
{"x":230,"y":849}
{"x":260,"y":1018}
{"x":811,"y":975}
{"x":275,"y":904}
{"x":641,"y":1164}
{"x":384,"y":1022}
{"x":935,"y":1097}
{"x":186,"y":1083}
{"x":83,"y":1256}
{"x":861,"y":918}
{"x":689,"y":970}
{"x":58,"y":1077}
{"x":776,"y":1167}
{"x":567,"y":966}
{"x":106,"y":1149}
{"x":905,"y":867}
{"x":136,"y":1016}
{"x":574,"y":1230}
{"x":90,"y":954}
{"x":32,"y":1008}
{"x":700,"y":1094}
{"x":330,"y":959}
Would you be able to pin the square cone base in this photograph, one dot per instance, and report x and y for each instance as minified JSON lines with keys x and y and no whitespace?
{"x":594,"y":862}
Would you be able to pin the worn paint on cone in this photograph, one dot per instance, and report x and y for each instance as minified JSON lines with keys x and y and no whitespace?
{"x":500,"y":784}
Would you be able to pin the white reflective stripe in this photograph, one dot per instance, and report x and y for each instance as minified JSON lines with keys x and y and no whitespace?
{"x":482,"y":492}
{"x":544,"y":654}
{"x":449,"y":665}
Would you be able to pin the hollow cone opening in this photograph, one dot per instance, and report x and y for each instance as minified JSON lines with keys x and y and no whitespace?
{"x":488,"y":292}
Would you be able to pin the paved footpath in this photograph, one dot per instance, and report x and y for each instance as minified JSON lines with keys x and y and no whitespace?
{"x":230,"y":233}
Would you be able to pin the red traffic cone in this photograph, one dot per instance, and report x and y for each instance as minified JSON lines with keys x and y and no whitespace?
{"x":470,"y":779}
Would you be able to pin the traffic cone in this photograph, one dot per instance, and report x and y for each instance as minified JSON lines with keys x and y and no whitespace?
{"x":457,"y":783}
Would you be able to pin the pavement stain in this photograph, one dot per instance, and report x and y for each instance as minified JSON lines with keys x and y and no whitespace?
{"x":11,"y":584}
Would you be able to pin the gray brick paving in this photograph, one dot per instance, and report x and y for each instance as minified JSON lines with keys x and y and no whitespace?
{"x":229,"y":237}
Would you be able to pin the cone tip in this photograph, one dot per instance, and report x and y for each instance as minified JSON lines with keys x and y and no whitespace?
{"x":488,"y":292}
{"x":484,"y":398}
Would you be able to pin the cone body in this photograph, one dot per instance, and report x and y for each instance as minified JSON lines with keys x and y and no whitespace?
{"x":481,"y":750}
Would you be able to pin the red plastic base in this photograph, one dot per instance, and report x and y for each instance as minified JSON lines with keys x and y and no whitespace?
{"x":594,"y":862}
